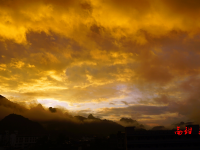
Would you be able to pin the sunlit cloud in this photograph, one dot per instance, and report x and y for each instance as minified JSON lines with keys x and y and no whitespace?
{"x":83,"y":53}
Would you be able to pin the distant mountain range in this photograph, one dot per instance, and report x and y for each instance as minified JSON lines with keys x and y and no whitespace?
{"x":75,"y":125}
{"x":15,"y":117}
{"x":14,"y":122}
{"x":8,"y":104}
{"x":23,"y":125}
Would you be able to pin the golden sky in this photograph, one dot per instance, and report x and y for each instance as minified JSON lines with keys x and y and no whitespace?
{"x":112,"y":58}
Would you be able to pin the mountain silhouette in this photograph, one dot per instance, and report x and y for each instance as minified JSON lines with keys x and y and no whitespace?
{"x":81,"y":118}
{"x":23,"y":125}
{"x":128,"y":122}
{"x":52,"y":120}
{"x":85,"y":127}
{"x":8,"y":104}
{"x":91,"y":117}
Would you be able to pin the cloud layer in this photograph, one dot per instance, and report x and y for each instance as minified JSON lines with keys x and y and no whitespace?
{"x":129,"y":57}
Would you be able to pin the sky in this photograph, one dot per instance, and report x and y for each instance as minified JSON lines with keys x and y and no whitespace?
{"x":133,"y":58}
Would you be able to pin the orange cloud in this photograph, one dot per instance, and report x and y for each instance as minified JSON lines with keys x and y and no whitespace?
{"x":83,"y":51}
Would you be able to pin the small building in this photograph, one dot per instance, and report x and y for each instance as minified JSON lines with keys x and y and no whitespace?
{"x":16,"y":140}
